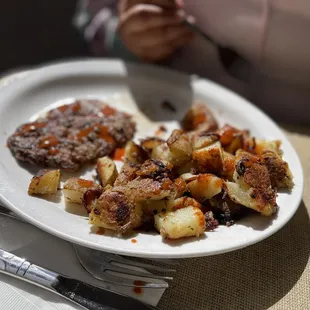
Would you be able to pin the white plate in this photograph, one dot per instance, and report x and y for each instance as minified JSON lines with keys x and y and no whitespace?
{"x":132,"y":88}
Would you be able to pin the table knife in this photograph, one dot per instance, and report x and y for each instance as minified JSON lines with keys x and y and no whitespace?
{"x":83,"y":294}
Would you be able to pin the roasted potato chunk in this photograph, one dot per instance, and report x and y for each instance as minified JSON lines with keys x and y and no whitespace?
{"x":200,"y":141}
{"x":134,"y":153}
{"x":232,"y":139}
{"x":149,"y":144}
{"x":228,"y":166}
{"x":45,"y":182}
{"x":106,"y":171}
{"x":209,"y":159}
{"x":75,"y":188}
{"x":180,"y":148}
{"x":162,"y":152}
{"x":279,"y":171}
{"x":251,"y":198}
{"x":200,"y":117}
{"x":259,"y":147}
{"x":113,"y":210}
{"x":205,"y":186}
{"x":253,"y":178}
{"x":185,"y":222}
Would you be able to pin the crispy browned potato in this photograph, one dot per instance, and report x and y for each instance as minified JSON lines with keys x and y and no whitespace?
{"x":75,"y":188}
{"x":250,"y":198}
{"x":45,"y":182}
{"x":180,"y":148}
{"x":259,"y":147}
{"x":199,"y":116}
{"x":279,"y":171}
{"x":200,"y":141}
{"x":150,"y":143}
{"x":253,"y":178}
{"x":209,"y":159}
{"x":232,"y":139}
{"x":228,"y":166}
{"x":106,"y":171}
{"x":90,"y":195}
{"x":128,"y":173}
{"x":135,"y":153}
{"x":162,"y":152}
{"x":185,"y":222}
{"x":205,"y":186}
{"x":113,"y":210}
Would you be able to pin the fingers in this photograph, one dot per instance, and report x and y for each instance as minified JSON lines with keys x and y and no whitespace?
{"x":163,"y":36}
{"x":145,"y":16}
{"x":165,"y":4}
{"x":158,"y":44}
{"x":158,"y":54}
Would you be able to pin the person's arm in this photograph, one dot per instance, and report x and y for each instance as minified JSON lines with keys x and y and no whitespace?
{"x":97,"y":22}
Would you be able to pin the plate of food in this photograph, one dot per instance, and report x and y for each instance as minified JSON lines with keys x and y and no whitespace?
{"x":142,"y":161}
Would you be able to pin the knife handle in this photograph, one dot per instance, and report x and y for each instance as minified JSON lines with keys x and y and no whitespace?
{"x":21,"y":268}
{"x":83,"y":294}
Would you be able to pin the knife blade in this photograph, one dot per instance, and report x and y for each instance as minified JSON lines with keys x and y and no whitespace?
{"x":88,"y":296}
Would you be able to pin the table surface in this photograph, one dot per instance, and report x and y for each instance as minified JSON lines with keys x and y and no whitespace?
{"x":273,"y":274}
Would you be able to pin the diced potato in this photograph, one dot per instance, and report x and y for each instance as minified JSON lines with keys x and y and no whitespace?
{"x":180,"y":148}
{"x":249,"y":199}
{"x":162,"y":152}
{"x":134,"y":153}
{"x":228,"y":166}
{"x":201,"y":141}
{"x":198,"y":116}
{"x":106,"y":171}
{"x":205,"y":186}
{"x":262,"y":146}
{"x":155,"y":207}
{"x":150,"y":143}
{"x":186,"y":222}
{"x":209,"y":159}
{"x":183,"y":202}
{"x":113,"y":210}
{"x":188,"y":177}
{"x":279,"y":171}
{"x":91,"y":195}
{"x":75,"y":188}
{"x":232,"y":138}
{"x":45,"y":182}
{"x":184,"y":169}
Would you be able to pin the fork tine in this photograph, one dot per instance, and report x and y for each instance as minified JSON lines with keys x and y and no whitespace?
{"x":119,"y":260}
{"x":95,"y":269}
{"x":116,"y":280}
{"x":136,"y":273}
{"x":127,"y":262}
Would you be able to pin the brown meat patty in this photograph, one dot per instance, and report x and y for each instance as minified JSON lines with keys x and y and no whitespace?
{"x":71,"y":135}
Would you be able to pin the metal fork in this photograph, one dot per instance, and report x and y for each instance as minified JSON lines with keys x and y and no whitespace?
{"x":115,"y":269}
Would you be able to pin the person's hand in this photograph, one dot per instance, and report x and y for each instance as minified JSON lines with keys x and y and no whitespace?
{"x":152,"y":29}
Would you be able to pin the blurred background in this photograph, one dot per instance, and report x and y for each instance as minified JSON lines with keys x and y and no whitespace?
{"x":36,"y":31}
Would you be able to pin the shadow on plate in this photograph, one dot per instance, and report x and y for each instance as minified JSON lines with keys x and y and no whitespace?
{"x":110,"y":233}
{"x":179,"y":242}
{"x":76,"y":209}
{"x":257,"y":221}
{"x":166,"y":99}
{"x":256,"y":277}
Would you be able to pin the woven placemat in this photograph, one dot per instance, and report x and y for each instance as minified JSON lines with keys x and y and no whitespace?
{"x":273,"y":274}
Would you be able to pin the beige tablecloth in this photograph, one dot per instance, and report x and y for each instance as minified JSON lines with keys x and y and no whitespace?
{"x":273,"y":274}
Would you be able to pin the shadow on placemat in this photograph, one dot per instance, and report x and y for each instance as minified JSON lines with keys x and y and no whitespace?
{"x":256,"y":277}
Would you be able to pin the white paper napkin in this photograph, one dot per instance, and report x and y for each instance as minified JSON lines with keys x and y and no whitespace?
{"x":43,"y":249}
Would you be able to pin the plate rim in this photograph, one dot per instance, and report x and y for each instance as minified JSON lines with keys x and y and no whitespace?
{"x":196,"y":82}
